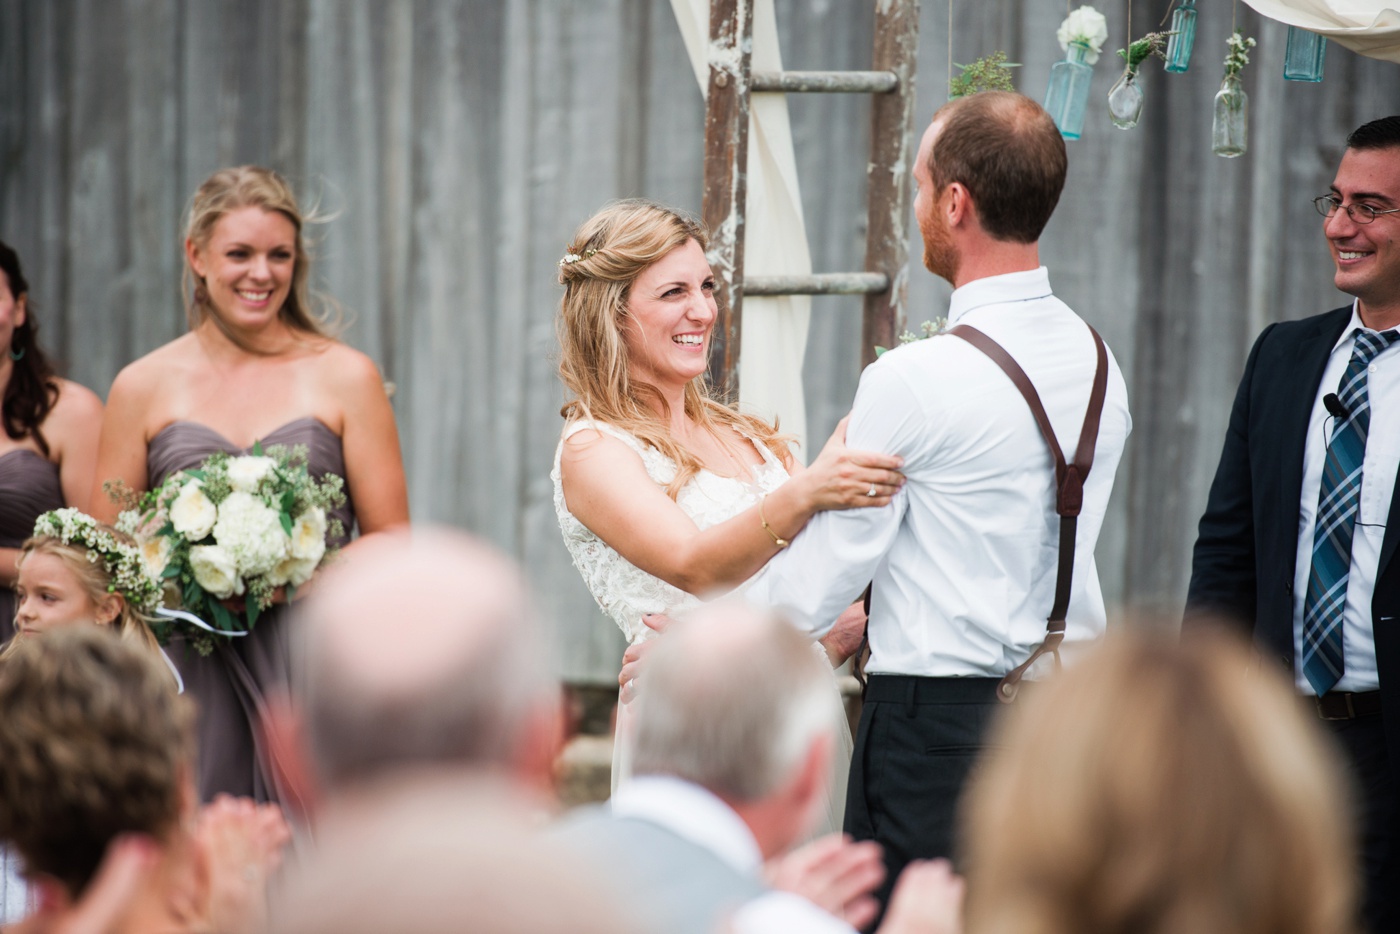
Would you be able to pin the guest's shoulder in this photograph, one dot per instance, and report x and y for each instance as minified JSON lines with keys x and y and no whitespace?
{"x":1326,"y":322}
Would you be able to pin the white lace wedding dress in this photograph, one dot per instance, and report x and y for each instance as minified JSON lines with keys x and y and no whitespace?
{"x":626,"y":592}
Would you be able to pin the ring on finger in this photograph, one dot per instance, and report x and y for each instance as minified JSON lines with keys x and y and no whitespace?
{"x":872,"y":492}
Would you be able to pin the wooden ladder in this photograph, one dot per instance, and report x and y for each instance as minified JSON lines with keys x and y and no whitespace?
{"x":731,"y":81}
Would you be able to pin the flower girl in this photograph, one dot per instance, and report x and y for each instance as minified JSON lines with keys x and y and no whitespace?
{"x":77,"y":570}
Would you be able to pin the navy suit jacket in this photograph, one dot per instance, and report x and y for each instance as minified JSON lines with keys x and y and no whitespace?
{"x":1244,"y":561}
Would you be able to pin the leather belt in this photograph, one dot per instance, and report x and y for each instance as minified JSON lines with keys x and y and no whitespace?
{"x":1340,"y":705}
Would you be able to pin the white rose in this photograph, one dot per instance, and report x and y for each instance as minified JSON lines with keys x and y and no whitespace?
{"x":294,"y":571}
{"x":215,"y":570}
{"x":245,"y":473}
{"x":155,"y":554}
{"x":250,"y":531}
{"x":1086,"y":25}
{"x":309,"y":535}
{"x":192,"y":513}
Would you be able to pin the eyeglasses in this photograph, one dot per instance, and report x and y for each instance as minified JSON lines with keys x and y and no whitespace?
{"x":1361,"y":213}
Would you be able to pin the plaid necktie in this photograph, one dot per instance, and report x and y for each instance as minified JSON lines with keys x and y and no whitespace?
{"x":1338,"y":500}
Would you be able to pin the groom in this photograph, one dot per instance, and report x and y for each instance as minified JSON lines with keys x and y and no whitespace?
{"x":964,"y":561}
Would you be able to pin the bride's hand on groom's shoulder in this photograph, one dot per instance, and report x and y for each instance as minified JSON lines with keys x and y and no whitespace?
{"x":632,"y":659}
{"x":845,"y":478}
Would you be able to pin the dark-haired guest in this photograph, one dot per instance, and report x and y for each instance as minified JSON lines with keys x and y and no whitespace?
{"x":1298,"y":541}
{"x":49,"y":446}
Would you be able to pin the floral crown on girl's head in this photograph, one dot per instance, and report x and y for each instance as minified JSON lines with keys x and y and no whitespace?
{"x":127,"y":572}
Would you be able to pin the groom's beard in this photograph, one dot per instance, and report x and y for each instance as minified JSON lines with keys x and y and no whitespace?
{"x":940,"y":255}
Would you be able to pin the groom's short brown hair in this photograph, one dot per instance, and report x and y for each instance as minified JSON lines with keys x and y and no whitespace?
{"x":1006,"y":150}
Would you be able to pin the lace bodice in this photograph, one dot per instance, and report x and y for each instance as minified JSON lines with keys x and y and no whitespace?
{"x":624,"y":591}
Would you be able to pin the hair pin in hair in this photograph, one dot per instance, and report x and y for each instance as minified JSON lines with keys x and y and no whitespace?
{"x":571,"y":258}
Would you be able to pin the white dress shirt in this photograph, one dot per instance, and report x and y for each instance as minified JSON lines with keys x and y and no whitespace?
{"x":692,"y":812}
{"x":1378,"y":471}
{"x":964,"y":559}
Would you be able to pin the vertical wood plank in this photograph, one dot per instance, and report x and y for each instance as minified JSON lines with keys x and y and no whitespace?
{"x":887,"y":188}
{"x":726,"y":180}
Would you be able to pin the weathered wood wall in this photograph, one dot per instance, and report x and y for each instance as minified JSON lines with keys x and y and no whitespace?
{"x":456,"y":143}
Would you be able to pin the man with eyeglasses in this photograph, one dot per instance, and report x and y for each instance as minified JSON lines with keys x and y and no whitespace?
{"x":1298,"y":542}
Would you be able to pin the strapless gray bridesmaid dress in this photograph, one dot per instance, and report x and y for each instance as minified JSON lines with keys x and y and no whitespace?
{"x":231,"y":686}
{"x":29,"y":487}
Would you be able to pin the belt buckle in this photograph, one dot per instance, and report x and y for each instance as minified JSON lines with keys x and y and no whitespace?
{"x":1349,"y":715}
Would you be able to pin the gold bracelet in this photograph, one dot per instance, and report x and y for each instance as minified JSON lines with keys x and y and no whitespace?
{"x":777,"y":539}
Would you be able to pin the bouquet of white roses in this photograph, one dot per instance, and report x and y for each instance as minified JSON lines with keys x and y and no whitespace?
{"x":235,"y":527}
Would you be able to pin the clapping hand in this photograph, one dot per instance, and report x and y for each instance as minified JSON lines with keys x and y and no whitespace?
{"x":126,"y":867}
{"x":927,"y":899}
{"x":240,"y":844}
{"x":834,"y":873}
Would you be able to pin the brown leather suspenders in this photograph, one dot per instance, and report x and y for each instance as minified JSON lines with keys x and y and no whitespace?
{"x":1069,"y":483}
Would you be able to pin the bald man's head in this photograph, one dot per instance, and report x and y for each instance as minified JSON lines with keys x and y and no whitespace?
{"x":733,"y":698}
{"x":419,"y":648}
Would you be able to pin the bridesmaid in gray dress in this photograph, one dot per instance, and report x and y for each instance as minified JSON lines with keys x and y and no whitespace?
{"x":49,"y":445}
{"x":47,"y":453}
{"x":259,"y":363}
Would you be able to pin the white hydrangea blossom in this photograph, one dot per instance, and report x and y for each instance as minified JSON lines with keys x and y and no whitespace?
{"x":251,"y":533}
{"x":1085,"y":25}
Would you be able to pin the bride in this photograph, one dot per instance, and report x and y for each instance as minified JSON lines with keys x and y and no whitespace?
{"x":663,"y":494}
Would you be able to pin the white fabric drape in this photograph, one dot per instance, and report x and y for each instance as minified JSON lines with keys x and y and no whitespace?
{"x":1367,"y":28}
{"x":775,"y":329}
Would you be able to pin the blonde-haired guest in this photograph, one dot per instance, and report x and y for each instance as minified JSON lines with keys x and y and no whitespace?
{"x":665,"y":494}
{"x":259,"y":364}
{"x":1160,"y":787}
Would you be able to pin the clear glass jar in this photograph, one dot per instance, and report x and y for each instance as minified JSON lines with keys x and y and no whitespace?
{"x":1179,"y":45}
{"x":1302,"y":60}
{"x":1067,"y":98}
{"x":1125,"y":101}
{"x":1229,"y":134}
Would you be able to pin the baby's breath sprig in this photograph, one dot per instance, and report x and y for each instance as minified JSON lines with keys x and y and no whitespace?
{"x":1238,"y":56}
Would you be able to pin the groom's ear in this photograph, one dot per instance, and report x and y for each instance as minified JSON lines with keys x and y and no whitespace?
{"x":284,"y":735}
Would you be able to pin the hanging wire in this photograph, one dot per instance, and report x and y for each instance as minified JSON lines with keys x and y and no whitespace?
{"x":1170,"y":6}
{"x":950,"y":44}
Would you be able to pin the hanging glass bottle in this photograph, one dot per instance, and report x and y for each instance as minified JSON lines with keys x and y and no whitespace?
{"x":1183,"y":37}
{"x":1067,"y":98}
{"x":1302,"y":60}
{"x":1229,"y":134}
{"x":1125,"y":101}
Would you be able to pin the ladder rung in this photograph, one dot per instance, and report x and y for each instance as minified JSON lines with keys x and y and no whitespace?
{"x":847,"y":82}
{"x":822,"y":283}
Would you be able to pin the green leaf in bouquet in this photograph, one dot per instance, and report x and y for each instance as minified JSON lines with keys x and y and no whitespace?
{"x":168,"y":529}
{"x":171,"y":572}
{"x":223,"y":619}
{"x":251,"y":607}
{"x":286,"y":522}
{"x":291,"y":592}
{"x":197,"y":473}
{"x":257,"y":449}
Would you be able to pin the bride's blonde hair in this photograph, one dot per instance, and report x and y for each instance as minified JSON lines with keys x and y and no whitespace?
{"x":604,"y":258}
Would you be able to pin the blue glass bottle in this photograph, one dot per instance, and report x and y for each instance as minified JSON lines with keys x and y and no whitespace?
{"x":1302,"y":60}
{"x":1179,"y":45}
{"x":1067,"y":98}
